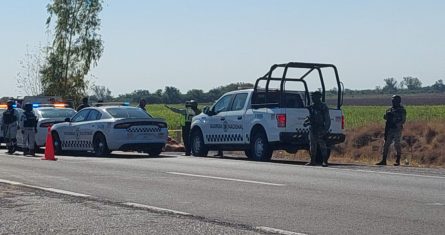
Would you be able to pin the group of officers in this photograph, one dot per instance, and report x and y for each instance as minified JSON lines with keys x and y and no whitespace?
{"x":319,"y":123}
{"x":26,"y":123}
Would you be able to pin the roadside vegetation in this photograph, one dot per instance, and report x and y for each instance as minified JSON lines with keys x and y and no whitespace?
{"x":422,"y":145}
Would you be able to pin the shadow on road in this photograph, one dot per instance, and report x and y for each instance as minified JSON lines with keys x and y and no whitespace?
{"x":241,"y":157}
{"x":74,"y":154}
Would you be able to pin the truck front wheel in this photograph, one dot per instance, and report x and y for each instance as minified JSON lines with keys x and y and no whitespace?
{"x":198,"y":148}
{"x":260,"y":148}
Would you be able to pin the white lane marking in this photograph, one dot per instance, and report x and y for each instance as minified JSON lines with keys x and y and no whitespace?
{"x":10,"y":182}
{"x":277,"y":231}
{"x":387,"y":173}
{"x":223,"y":178}
{"x":61,"y":191}
{"x":435,"y":204}
{"x":45,"y":189}
{"x":153,"y":208}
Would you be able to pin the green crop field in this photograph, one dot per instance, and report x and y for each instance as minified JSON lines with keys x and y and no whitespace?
{"x":355,"y":116}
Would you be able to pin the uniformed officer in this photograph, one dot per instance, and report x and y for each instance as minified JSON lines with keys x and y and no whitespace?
{"x":10,"y":126}
{"x":319,"y":122}
{"x":191,"y":110}
{"x":142,"y":104}
{"x":84,"y":104}
{"x":395,"y":118}
{"x":28,"y":125}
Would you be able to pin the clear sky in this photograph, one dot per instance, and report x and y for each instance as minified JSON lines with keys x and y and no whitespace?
{"x":203,"y":44}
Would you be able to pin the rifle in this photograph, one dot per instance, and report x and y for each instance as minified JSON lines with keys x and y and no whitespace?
{"x":389,"y":123}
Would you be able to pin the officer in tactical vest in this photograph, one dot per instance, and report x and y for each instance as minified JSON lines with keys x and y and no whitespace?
{"x":28,"y":125}
{"x":395,"y":118}
{"x":191,"y":110}
{"x":319,"y":122}
{"x":10,"y":126}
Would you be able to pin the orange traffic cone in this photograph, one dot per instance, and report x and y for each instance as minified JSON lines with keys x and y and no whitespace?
{"x":49,"y":147}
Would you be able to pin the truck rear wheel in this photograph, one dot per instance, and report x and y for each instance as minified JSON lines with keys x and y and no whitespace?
{"x":198,"y":148}
{"x":260,"y":148}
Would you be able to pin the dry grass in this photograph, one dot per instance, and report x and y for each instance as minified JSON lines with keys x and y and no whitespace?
{"x":423,"y":145}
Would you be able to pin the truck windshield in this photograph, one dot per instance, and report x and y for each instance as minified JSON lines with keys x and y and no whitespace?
{"x":128,"y":113}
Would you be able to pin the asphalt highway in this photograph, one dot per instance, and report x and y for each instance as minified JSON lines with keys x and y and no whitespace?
{"x":281,"y":197}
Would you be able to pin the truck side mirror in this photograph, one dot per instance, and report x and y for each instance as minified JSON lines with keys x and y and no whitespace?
{"x":206,"y":109}
{"x":209,"y":111}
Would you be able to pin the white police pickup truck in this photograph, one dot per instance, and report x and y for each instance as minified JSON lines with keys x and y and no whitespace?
{"x":260,"y":120}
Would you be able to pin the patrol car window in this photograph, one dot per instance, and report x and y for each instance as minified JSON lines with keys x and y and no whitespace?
{"x":81,"y":116}
{"x":223,"y":104}
{"x":239,"y":101}
{"x":57,"y":113}
{"x":127,"y":113}
{"x":94,"y":115}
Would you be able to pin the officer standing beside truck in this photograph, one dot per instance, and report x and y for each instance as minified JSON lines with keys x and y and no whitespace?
{"x":319,"y":122}
{"x":395,"y":118}
{"x":191,"y":110}
{"x":10,"y":126}
{"x":28,"y":125}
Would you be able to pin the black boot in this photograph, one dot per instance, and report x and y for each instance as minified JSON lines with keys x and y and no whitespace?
{"x":397,"y":161}
{"x":11,"y":149}
{"x":25,"y":151}
{"x":32,"y":152}
{"x":382,"y":163}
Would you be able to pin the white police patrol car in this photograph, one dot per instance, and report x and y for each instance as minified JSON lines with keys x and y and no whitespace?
{"x":48,"y":115}
{"x":108,"y":128}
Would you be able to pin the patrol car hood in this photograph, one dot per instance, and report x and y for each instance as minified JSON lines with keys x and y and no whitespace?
{"x":199,"y":116}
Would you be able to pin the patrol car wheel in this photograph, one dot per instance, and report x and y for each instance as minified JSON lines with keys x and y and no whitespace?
{"x":100,"y":145}
{"x":57,"y":143}
{"x":198,"y":148}
{"x":260,"y":148}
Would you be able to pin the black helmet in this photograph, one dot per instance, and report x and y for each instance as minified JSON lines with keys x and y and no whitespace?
{"x":28,"y":107}
{"x":193,"y":103}
{"x":10,"y":103}
{"x":316,"y":94}
{"x":397,"y":99}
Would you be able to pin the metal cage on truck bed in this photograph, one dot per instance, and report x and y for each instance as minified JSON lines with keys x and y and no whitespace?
{"x":263,"y":97}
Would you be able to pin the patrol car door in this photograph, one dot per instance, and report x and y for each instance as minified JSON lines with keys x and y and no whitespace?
{"x":233,"y":125}
{"x":215,"y":126}
{"x":71,"y":135}
{"x":89,"y":127}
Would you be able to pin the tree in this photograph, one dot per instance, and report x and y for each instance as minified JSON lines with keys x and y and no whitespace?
{"x":101,"y":93}
{"x":75,"y":49}
{"x":438,"y":86}
{"x":29,"y":79}
{"x":172,"y":95}
{"x":390,"y":85}
{"x":411,"y":83}
{"x":195,"y":94}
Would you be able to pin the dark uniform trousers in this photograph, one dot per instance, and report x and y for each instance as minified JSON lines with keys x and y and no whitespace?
{"x":186,"y":137}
